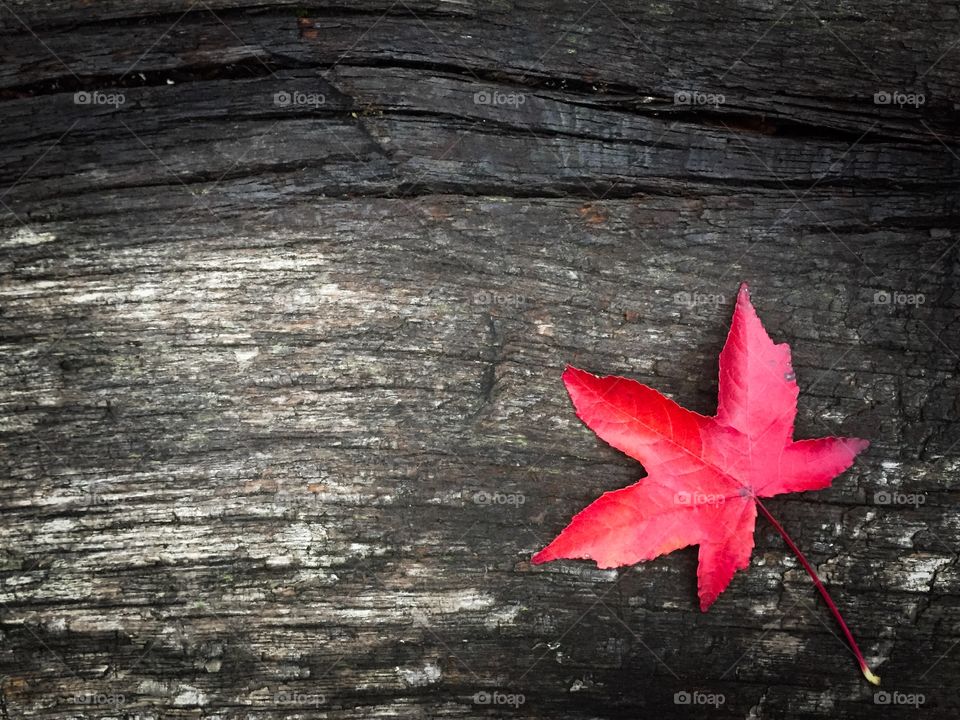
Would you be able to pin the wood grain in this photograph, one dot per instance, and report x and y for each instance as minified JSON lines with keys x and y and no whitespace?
{"x":283,"y":309}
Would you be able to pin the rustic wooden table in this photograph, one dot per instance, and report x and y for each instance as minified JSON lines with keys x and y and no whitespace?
{"x":285,"y":295}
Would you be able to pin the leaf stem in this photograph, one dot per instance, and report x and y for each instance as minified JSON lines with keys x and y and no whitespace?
{"x":864,"y":668}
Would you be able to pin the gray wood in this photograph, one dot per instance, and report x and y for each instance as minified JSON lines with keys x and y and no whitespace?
{"x":281,"y":415}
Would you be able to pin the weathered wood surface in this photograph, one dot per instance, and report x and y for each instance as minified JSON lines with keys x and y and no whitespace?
{"x":266,"y":366}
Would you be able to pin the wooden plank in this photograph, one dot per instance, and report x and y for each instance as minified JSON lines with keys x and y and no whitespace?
{"x":281,"y":420}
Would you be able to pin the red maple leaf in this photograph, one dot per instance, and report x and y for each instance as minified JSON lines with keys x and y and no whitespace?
{"x":705,"y":475}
